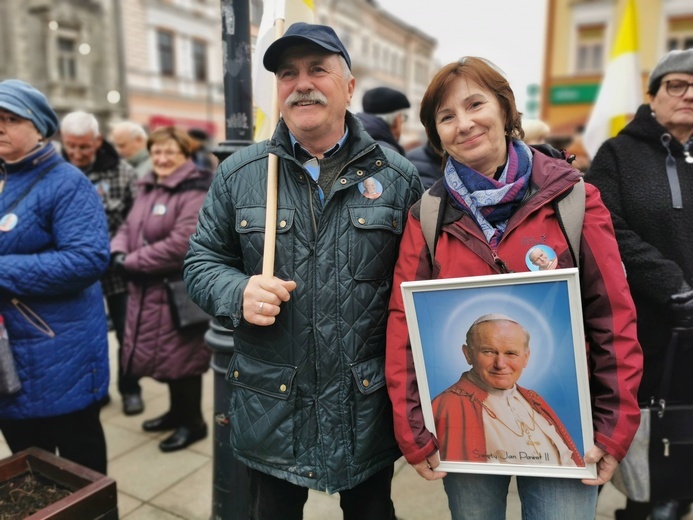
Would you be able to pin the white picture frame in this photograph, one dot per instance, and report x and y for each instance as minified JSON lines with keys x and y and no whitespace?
{"x":548,"y":305}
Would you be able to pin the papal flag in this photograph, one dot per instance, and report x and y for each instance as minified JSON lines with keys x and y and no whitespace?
{"x":291,"y":11}
{"x":620,"y":94}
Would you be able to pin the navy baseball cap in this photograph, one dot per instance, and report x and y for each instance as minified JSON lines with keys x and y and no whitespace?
{"x":301,"y":32}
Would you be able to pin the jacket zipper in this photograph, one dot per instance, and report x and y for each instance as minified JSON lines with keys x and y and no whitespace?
{"x":312,"y":211}
{"x":667,"y":443}
{"x":314,"y":242}
{"x":499,"y":262}
{"x":33,"y":318}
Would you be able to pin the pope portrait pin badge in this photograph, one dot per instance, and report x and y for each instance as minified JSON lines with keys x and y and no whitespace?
{"x":541,"y":258}
{"x":8,"y":222}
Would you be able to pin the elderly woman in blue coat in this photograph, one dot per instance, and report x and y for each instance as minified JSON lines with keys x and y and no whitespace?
{"x":53,"y":249}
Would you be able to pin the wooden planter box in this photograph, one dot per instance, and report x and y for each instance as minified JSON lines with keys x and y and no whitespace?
{"x":93,"y":495}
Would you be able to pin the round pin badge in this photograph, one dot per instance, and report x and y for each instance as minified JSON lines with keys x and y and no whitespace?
{"x":541,"y":258}
{"x":8,"y":222}
{"x":103,"y":187}
{"x":159,"y":209}
{"x":371,"y":188}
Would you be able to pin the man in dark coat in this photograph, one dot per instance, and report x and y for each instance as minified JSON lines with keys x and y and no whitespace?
{"x":384,"y":115}
{"x":114,"y":180}
{"x":307,"y":377}
{"x":427,"y":162}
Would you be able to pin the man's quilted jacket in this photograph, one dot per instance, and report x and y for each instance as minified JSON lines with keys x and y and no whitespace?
{"x":50,"y":265}
{"x":307,"y":395}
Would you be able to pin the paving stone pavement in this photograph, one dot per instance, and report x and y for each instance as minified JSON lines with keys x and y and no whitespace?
{"x":171,"y":486}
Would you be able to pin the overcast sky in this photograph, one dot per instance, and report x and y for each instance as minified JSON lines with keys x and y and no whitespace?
{"x":510,"y":33}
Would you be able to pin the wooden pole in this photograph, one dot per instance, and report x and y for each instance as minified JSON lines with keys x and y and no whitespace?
{"x":272,"y":177}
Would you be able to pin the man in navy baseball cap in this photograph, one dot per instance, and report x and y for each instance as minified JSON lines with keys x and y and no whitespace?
{"x":308,"y":382}
{"x":298,"y":33}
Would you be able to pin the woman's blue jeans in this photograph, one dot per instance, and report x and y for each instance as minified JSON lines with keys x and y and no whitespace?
{"x":483,"y":497}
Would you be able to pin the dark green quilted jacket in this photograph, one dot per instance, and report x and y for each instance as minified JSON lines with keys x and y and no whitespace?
{"x":308,"y":401}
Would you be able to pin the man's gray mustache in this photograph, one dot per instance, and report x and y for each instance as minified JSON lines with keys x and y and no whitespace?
{"x":313,"y":97}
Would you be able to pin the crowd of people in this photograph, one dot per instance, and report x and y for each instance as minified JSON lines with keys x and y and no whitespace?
{"x":322,"y":383}
{"x":89,"y":233}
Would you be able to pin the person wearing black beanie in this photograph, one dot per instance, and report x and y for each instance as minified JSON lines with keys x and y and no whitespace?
{"x":384,"y":115}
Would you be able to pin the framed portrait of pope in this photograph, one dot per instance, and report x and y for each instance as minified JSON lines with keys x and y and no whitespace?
{"x":501,"y":367}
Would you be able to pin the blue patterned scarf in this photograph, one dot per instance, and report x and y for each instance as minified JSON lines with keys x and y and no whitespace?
{"x":491,"y":202}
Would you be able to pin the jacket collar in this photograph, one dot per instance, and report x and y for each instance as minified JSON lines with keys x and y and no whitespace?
{"x":138,"y":158}
{"x":358,"y":142}
{"x":379,"y":130}
{"x":106,"y":159}
{"x":645,"y":127}
{"x":550,"y":178}
{"x":187,"y":170}
{"x":44,"y":155}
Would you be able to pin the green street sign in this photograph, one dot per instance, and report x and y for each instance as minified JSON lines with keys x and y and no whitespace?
{"x":573,"y":94}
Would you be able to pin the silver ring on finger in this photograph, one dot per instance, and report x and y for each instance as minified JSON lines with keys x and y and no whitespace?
{"x":262,"y":304}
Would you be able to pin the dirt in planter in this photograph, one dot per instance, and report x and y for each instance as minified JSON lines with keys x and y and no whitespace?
{"x":25,"y":494}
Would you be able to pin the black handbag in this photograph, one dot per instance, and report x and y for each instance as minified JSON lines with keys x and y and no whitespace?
{"x":658,"y":464}
{"x":184,"y":312}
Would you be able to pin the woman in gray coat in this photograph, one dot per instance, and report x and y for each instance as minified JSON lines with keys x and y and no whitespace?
{"x":150,"y":247}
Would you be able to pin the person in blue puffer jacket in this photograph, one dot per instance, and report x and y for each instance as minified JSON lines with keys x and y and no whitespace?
{"x":54,"y":248}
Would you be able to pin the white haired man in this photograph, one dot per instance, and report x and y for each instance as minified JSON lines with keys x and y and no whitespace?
{"x":130,"y":141}
{"x":114,"y":179}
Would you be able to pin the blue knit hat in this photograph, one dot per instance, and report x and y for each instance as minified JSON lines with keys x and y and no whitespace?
{"x":25,"y":101}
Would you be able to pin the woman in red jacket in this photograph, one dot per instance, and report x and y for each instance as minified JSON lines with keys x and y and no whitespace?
{"x":498,"y":196}
{"x":150,"y":247}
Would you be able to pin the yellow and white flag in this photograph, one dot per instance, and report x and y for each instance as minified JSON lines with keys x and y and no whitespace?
{"x":291,"y":11}
{"x":620,"y":94}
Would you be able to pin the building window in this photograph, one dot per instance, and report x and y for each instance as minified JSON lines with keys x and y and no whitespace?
{"x":590,"y":49}
{"x":67,"y":58}
{"x":164,"y":41}
{"x":199,"y":50}
{"x":680,"y":34}
{"x":345,"y":36}
{"x":420,"y":73}
{"x":256,"y":8}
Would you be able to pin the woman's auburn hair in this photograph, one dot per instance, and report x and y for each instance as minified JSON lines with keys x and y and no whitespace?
{"x":165,"y":133}
{"x":487,"y":76}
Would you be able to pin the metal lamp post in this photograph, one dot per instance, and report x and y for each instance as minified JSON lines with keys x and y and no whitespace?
{"x":231,"y":492}
{"x":238,"y":90}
